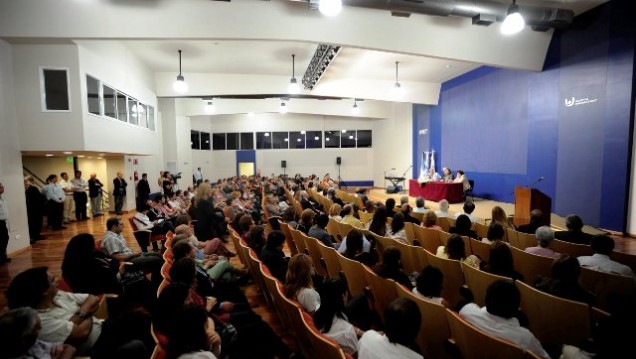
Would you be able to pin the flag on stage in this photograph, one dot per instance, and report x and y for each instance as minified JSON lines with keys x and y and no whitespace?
{"x":432,"y":167}
{"x":424,"y":167}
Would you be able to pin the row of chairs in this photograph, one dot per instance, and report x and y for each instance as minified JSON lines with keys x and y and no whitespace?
{"x":311,"y":343}
{"x":435,"y":327}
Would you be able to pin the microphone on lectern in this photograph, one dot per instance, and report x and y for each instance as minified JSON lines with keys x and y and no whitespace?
{"x":538,"y":180}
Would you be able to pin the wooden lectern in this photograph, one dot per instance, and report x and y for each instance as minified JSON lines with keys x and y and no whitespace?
{"x":527,"y":199}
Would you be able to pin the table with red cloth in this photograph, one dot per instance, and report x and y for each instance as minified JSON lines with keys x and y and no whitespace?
{"x":437,"y":191}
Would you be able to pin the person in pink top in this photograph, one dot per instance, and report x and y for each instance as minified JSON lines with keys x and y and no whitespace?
{"x":545,"y":236}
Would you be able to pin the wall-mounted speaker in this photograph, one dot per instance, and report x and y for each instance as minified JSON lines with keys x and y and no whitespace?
{"x":283,"y":164}
{"x":338,"y":160}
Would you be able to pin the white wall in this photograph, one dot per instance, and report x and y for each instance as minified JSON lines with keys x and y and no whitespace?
{"x":112,"y":63}
{"x":44,"y":131}
{"x":10,"y":157}
{"x":393,"y":144}
{"x":357,"y":164}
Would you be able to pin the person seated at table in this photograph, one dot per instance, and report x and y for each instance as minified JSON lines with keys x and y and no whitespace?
{"x":463,"y":179}
{"x":536,"y":221}
{"x":447,"y":175}
{"x":575,"y":233}
{"x":443,"y":209}
{"x":469,"y":208}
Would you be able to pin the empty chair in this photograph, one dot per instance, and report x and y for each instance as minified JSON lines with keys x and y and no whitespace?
{"x":410,"y":231}
{"x":299,"y":240}
{"x":284,"y":227}
{"x":429,"y":238}
{"x":332,"y":228}
{"x":330,"y":261}
{"x":481,"y":230}
{"x":383,"y":291}
{"x":473,"y":343}
{"x":354,"y":272}
{"x":313,"y":245}
{"x":343,"y":228}
{"x":480,"y":249}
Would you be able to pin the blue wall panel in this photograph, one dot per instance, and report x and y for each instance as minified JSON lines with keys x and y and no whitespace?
{"x":510,"y":128}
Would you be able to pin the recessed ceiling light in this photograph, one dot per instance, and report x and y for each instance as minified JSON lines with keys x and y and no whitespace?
{"x":316,"y":138}
{"x":68,"y":153}
{"x":81,"y":156}
{"x":344,"y":131}
{"x":250,"y":114}
{"x":449,"y":66}
{"x":49,"y":155}
{"x":99,"y":158}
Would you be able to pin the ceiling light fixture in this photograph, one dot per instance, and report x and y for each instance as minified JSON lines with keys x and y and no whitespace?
{"x":209,"y":107}
{"x":293,"y":87}
{"x":514,"y":22}
{"x":397,"y":89}
{"x":49,"y":155}
{"x":330,"y":7}
{"x":180,"y":86}
{"x":250,"y":114}
{"x":355,"y":109}
{"x":323,"y":57}
{"x":68,"y":153}
{"x":283,"y":107}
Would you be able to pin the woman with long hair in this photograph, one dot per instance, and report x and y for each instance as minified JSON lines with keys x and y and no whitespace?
{"x":429,"y":285}
{"x":355,"y":249}
{"x":455,"y":249}
{"x":208,"y":225}
{"x":193,"y":336}
{"x":378,"y":222}
{"x":391,"y":267}
{"x":500,"y":261}
{"x":88,"y":270}
{"x":306,"y":220}
{"x":397,"y":231}
{"x":299,"y":285}
{"x":430,"y":221}
{"x":331,"y":319}
{"x":499,"y":216}
{"x":463,"y":227}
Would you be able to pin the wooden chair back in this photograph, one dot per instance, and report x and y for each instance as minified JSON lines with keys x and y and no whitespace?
{"x":235,"y":240}
{"x":343,"y":228}
{"x":299,"y":240}
{"x":444,"y":223}
{"x":625,"y":258}
{"x":410,"y":231}
{"x":453,"y":277}
{"x":313,"y":245}
{"x":383,"y":291}
{"x":473,"y":343}
{"x":365,"y":217}
{"x":480,"y":249}
{"x":289,"y":240}
{"x":573,"y":249}
{"x":332,"y":228}
{"x":272,"y":284}
{"x":481,"y":230}
{"x":354,"y":273}
{"x":429,"y":238}
{"x":554,"y":320}
{"x":530,"y":266}
{"x":513,"y":237}
{"x":525,"y":240}
{"x":434,"y":331}
{"x":418,"y":215}
{"x":321,"y":346}
{"x":330,"y":261}
{"x":604,"y":285}
{"x":478,"y":281}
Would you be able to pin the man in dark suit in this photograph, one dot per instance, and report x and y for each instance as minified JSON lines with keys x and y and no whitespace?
{"x":119,"y":191}
{"x":143,"y":190}
{"x":536,"y":221}
{"x":406,"y":211}
{"x":574,"y":234}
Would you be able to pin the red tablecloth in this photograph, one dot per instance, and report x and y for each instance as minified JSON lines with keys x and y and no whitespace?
{"x":437,"y":191}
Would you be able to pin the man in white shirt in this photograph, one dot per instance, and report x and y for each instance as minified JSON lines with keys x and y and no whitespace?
{"x":198,"y":176}
{"x":69,"y":203}
{"x":402,"y":324}
{"x":498,"y":317}
{"x":603,"y":246}
{"x":443,"y":209}
{"x":4,"y":230}
{"x":469,"y":207}
{"x":420,"y":205}
{"x":80,"y":186}
{"x":55,"y":201}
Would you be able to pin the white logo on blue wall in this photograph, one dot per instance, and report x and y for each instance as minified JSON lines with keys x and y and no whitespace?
{"x":573,"y":101}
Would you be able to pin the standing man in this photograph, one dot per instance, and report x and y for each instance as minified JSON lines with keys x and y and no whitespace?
{"x":35,"y":202}
{"x":143,"y":190}
{"x":69,"y":203}
{"x":119,"y":191}
{"x":79,"y":196}
{"x":55,"y":201}
{"x":4,"y":230}
{"x":198,"y":176}
{"x":95,"y":194}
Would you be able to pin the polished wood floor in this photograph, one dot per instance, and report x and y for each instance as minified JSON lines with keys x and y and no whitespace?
{"x":50,"y":252}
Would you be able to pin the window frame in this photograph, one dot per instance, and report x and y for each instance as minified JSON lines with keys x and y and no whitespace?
{"x":43,"y":88}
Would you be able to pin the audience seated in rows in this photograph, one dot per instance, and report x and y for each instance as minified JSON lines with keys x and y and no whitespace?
{"x":429,"y":285}
{"x":603,"y":246}
{"x":420,"y":205}
{"x":397,"y":231}
{"x":564,"y":281}
{"x":498,"y":317}
{"x":545,"y":236}
{"x":500,"y":261}
{"x":319,"y":231}
{"x":575,"y":233}
{"x":456,"y":250}
{"x":349,"y":218}
{"x":498,"y":215}
{"x":536,"y":221}
{"x":391,"y":267}
{"x":406,"y":212}
{"x":430,"y":221}
{"x":463,"y":227}
{"x":495,"y":233}
{"x":88,"y":270}
{"x":273,"y":257}
{"x":354,"y":249}
{"x":299,"y":285}
{"x":469,"y":208}
{"x":378,"y":223}
{"x":402,"y":325}
{"x":443,"y":209}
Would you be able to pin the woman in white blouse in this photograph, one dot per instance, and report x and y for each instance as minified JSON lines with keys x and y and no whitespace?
{"x":428,"y":285}
{"x":331,"y":320}
{"x":298,"y":283}
{"x":397,"y":230}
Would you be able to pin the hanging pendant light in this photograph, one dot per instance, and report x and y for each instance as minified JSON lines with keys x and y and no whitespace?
{"x":180,"y":86}
{"x":514,"y":22}
{"x":355,"y":110}
{"x":293,"y":87}
{"x":397,"y":89}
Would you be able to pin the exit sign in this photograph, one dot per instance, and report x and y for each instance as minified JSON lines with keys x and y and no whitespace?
{"x":69,"y":159}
